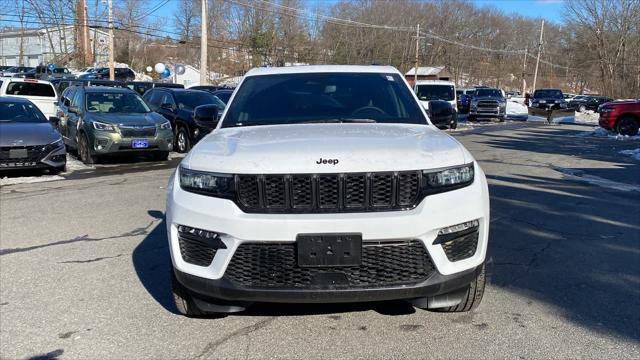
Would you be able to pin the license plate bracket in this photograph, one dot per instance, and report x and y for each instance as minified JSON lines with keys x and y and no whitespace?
{"x":140,"y":143}
{"x":18,"y":153}
{"x":329,"y":250}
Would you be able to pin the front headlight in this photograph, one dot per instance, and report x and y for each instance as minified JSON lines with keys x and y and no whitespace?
{"x":204,"y":183}
{"x":165,"y":126}
{"x":56,"y":144}
{"x":542,"y":101}
{"x":103,"y":126}
{"x":447,"y":179}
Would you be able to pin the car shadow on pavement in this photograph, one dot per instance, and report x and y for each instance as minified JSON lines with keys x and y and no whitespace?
{"x":568,"y":244}
{"x":152,"y":263}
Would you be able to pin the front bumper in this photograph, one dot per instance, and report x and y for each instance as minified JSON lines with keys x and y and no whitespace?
{"x":488,"y":112}
{"x":113,"y":142}
{"x":236,"y":228}
{"x":37,"y":158}
{"x":223,"y":289}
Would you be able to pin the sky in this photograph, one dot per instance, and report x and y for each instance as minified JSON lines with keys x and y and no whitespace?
{"x":550,"y":10}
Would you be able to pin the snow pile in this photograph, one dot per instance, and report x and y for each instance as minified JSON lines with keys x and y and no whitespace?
{"x":587,"y":117}
{"x":633,"y":153}
{"x":517,"y":99}
{"x":516,"y":108}
{"x":28,"y":179}
{"x":74,"y":164}
{"x":602,"y":132}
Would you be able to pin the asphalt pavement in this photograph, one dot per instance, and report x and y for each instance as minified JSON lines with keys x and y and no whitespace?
{"x":84,"y":268}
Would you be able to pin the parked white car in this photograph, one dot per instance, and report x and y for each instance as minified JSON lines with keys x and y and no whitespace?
{"x":41,"y":93}
{"x":326,"y":184}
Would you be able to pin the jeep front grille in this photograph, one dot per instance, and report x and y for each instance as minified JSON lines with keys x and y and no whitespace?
{"x":311,"y":193}
{"x":384,"y":264}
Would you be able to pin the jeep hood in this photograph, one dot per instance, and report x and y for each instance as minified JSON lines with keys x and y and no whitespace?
{"x":282,"y":149}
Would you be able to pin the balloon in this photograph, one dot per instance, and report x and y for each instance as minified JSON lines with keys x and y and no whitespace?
{"x":51,"y":67}
{"x":166,"y":73}
{"x":160,"y":68}
{"x":180,"y":69}
{"x":149,"y":69}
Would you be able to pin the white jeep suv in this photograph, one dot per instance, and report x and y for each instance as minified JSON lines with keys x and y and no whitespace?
{"x":326,"y":184}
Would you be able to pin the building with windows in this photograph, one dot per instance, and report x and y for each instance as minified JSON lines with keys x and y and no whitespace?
{"x":48,"y":45}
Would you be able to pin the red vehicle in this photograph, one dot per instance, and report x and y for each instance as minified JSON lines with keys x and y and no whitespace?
{"x":622,"y":116}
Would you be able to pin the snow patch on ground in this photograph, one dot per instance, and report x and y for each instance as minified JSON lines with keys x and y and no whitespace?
{"x":175,"y":155}
{"x":587,"y":117}
{"x":602,"y":132}
{"x":28,"y":179}
{"x":633,"y":153}
{"x":579,"y":175}
{"x":74,"y":164}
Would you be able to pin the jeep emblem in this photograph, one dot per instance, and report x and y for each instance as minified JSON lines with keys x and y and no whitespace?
{"x":327,"y":161}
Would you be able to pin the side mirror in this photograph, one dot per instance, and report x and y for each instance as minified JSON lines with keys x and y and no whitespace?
{"x":168,"y":107}
{"x":206,"y":116}
{"x":74,"y":109}
{"x":54,"y":120}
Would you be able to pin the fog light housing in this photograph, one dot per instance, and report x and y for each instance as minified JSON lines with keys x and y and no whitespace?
{"x":459,"y":241}
{"x":58,"y":158}
{"x":197,"y":246}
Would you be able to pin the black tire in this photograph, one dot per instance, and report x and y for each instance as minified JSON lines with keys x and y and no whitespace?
{"x":501,"y":118}
{"x":472,"y":297}
{"x":58,"y":170}
{"x":183,"y":300}
{"x":84,"y":151}
{"x":182,"y":141}
{"x":160,"y":156}
{"x":454,"y":122}
{"x":627,"y":125}
{"x":582,"y":108}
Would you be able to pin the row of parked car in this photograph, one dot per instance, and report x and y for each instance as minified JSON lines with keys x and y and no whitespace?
{"x":97,"y":118}
{"x":89,"y":73}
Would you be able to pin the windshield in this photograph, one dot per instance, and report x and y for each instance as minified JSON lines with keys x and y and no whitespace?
{"x":60,"y":71}
{"x":488,"y":92}
{"x":191,"y":99}
{"x":436,"y":92}
{"x":554,"y":94}
{"x":20,"y":112}
{"x":323,"y":97}
{"x":114,"y":102}
{"x":30,"y":89}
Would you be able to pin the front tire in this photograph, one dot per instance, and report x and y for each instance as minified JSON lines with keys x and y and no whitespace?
{"x":85,"y":151}
{"x":627,"y":125}
{"x":582,"y":108}
{"x":183,"y":144}
{"x":183,"y":300}
{"x":472,"y":297}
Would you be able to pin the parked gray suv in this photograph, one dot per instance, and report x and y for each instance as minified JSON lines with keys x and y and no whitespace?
{"x":99,"y":121}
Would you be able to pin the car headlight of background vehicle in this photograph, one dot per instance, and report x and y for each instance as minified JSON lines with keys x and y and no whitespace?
{"x":447,"y":179}
{"x":204,"y":183}
{"x":103,"y":126}
{"x":56,"y":144}
{"x":165,"y":126}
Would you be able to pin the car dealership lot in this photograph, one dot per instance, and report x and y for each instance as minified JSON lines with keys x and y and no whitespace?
{"x":84,"y":267}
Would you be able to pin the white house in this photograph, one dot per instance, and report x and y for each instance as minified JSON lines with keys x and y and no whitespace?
{"x":37,"y":45}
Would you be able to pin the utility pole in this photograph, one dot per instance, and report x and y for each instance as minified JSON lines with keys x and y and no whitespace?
{"x":203,"y":46}
{"x":415,"y":68}
{"x":535,"y":74}
{"x":524,"y":71}
{"x":81,"y":34}
{"x":111,"y":66}
{"x":87,"y":41}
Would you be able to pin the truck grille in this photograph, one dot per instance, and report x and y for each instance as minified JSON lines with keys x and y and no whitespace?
{"x":488,"y":104}
{"x":274,"y":266}
{"x":311,"y":193}
{"x":137,"y":131}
